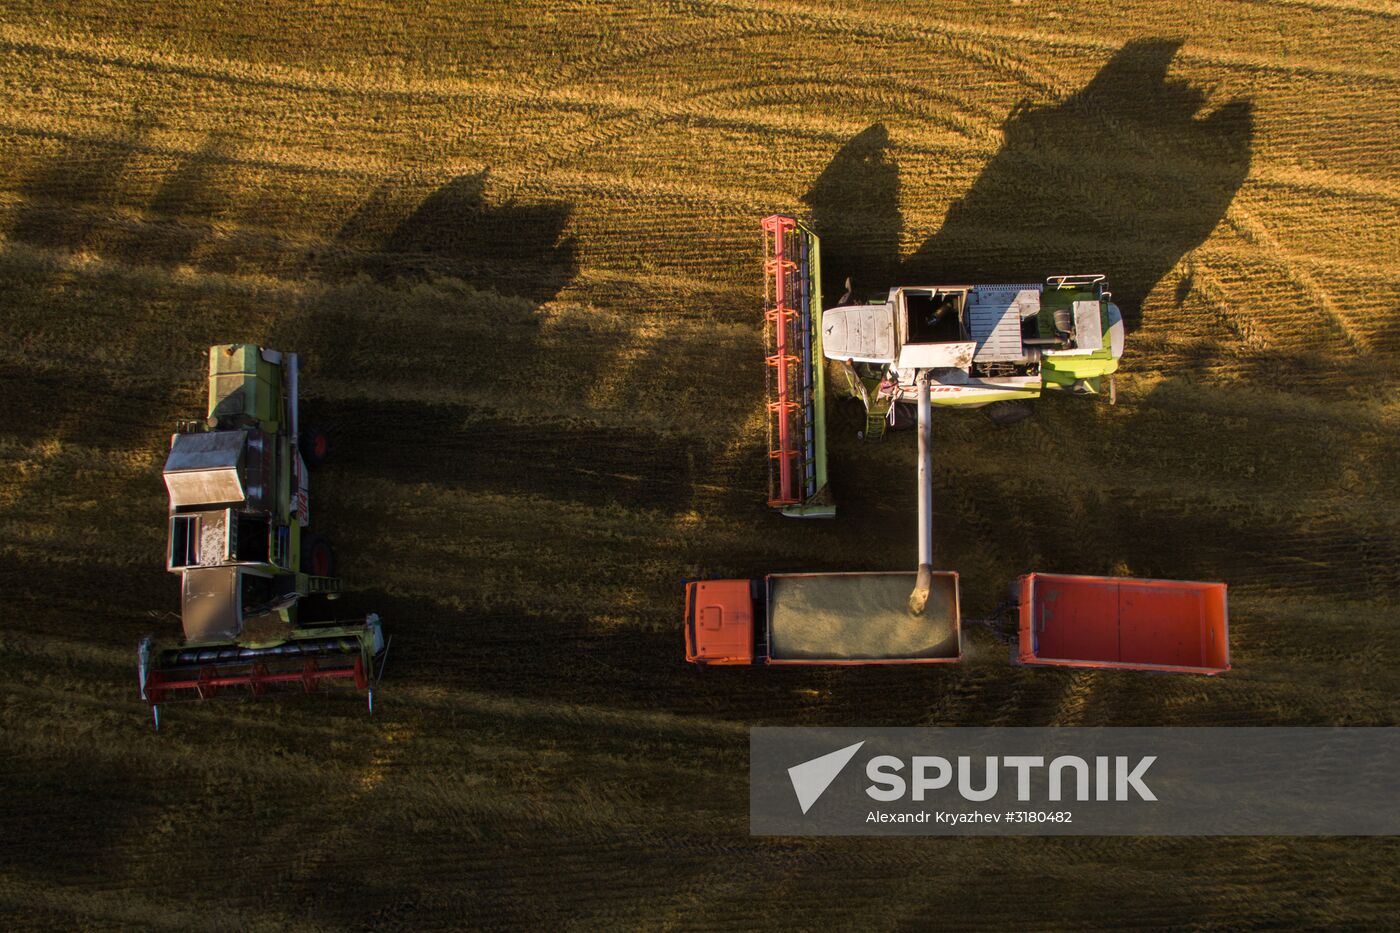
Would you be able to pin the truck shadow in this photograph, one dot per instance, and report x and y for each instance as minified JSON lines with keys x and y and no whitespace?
{"x":1124,"y":177}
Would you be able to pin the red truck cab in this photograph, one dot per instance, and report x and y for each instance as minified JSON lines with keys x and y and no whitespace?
{"x":719,"y":622}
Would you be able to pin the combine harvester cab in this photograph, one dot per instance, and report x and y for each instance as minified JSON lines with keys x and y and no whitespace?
{"x":239,"y":506}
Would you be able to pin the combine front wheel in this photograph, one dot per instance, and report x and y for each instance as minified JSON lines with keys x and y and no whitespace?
{"x":315,"y":446}
{"x":317,"y":557}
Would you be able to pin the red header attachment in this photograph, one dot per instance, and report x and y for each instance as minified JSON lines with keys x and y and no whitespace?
{"x":787,"y":341}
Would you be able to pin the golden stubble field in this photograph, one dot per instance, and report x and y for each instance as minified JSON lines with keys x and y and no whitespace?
{"x":518,"y":247}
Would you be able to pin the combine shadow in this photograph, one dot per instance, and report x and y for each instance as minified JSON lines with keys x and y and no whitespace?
{"x":1125,"y":177}
{"x":188,"y":202}
{"x":472,"y":263}
{"x":92,"y":199}
{"x":855,"y":207}
{"x":479,"y":271}
{"x":64,"y":205}
{"x":405,"y":232}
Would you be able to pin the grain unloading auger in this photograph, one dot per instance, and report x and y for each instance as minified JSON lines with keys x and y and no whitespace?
{"x":915,"y":618}
{"x":239,"y":507}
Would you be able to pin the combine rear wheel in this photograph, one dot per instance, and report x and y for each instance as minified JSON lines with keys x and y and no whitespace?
{"x":315,"y":446}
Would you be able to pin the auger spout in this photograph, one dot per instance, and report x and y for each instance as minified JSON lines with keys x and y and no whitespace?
{"x":924,"y":580}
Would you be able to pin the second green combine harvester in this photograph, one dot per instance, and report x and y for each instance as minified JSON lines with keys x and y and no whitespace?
{"x":980,"y":346}
{"x":239,"y":507}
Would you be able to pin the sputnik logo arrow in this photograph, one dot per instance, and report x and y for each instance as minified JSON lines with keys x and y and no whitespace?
{"x":811,"y":778}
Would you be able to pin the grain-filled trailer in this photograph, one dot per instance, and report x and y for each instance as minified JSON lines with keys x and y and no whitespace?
{"x":821,"y":618}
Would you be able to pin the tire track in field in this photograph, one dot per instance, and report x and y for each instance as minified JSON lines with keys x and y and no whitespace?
{"x":875,"y":25}
{"x":625,"y":126}
{"x":1247,"y":224}
{"x":1252,"y":227}
{"x":1253,"y":231}
{"x":1359,"y":9}
{"x":630,"y":127}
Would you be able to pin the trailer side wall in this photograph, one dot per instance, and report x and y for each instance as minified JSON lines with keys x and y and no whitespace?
{"x":1165,"y":625}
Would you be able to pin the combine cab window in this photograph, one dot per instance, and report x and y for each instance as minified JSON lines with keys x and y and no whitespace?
{"x":252,"y":541}
{"x":933,"y":318}
{"x":184,"y":541}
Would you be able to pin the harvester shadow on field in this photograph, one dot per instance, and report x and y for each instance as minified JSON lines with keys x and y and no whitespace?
{"x":474,"y":271}
{"x":474,"y":274}
{"x":1124,"y":177}
{"x":855,"y":207}
{"x":96,"y":199}
{"x":454,"y":231}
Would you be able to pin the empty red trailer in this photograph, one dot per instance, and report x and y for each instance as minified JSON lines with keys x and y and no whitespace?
{"x":1144,"y":625}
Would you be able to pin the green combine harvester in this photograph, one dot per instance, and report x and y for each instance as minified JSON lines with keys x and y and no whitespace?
{"x":997,"y":346}
{"x":237,"y":482}
{"x":978,"y":346}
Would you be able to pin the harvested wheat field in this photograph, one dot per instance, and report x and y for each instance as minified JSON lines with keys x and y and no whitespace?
{"x":518,"y":246}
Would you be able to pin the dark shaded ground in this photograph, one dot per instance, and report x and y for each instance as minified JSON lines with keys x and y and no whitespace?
{"x":506,"y":719}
